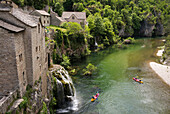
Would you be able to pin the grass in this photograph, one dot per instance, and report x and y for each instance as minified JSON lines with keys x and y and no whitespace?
{"x":56,"y":27}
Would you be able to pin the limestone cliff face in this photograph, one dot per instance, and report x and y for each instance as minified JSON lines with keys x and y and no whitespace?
{"x":159,"y":29}
{"x":146,"y":29}
{"x":149,"y":27}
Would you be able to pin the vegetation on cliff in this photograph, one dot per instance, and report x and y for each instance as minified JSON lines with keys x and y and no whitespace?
{"x":119,"y":15}
{"x":166,"y":54}
{"x":109,"y":22}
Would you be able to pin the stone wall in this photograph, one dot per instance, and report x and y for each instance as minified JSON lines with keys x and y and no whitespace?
{"x":8,"y":67}
{"x":7,"y":100}
{"x":73,"y":18}
{"x":33,"y":50}
{"x":20,"y":61}
{"x":39,"y":54}
{"x":54,"y":20}
{"x":45,"y":20}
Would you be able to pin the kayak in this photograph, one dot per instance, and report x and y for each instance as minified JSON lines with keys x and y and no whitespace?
{"x":94,"y":97}
{"x":138,"y":80}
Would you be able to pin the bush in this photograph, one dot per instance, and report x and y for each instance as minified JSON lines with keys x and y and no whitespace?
{"x":44,"y":109}
{"x":89,"y":69}
{"x":66,"y":61}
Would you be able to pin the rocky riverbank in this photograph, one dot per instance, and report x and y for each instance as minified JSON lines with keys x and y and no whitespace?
{"x":163,"y":71}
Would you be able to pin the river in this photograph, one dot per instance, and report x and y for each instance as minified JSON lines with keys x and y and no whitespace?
{"x":119,"y":94}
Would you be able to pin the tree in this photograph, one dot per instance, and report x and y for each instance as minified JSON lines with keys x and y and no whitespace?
{"x":78,"y":7}
{"x":108,"y":30}
{"x":58,"y":8}
{"x":98,"y":26}
{"x":90,"y":21}
{"x":68,"y":5}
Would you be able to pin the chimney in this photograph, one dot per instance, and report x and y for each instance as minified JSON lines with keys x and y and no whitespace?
{"x":5,"y":5}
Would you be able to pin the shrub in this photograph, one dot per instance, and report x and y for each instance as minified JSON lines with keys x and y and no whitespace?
{"x":89,"y":69}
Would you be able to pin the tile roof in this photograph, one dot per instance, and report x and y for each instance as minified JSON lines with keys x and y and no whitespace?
{"x":79,"y":15}
{"x":42,"y":12}
{"x":10,"y":27}
{"x":61,"y":19}
{"x":25,"y":18}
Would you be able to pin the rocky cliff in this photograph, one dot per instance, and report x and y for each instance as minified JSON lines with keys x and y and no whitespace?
{"x":60,"y":94}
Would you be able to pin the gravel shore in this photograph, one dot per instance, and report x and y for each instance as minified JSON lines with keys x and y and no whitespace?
{"x":162,"y":70}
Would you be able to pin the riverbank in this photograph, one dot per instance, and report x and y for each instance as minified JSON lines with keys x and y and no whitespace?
{"x":162,"y":70}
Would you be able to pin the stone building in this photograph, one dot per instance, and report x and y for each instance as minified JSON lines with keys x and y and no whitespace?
{"x":78,"y":17}
{"x":22,"y":51}
{"x":44,"y":16}
{"x":55,"y":19}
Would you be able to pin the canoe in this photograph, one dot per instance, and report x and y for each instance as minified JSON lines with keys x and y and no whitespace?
{"x":94,"y":97}
{"x":138,"y":80}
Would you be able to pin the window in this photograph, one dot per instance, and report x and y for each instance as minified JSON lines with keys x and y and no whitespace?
{"x":23,"y":78}
{"x":38,"y":57}
{"x":73,"y":17}
{"x":36,"y":49}
{"x":39,"y":48}
{"x":38,"y":28}
{"x":20,"y":57}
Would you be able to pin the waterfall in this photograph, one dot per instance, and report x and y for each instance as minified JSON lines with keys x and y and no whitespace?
{"x":60,"y":93}
{"x":66,"y":94}
{"x":96,"y":42}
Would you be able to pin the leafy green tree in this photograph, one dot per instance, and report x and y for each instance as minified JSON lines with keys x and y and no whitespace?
{"x":87,"y":12}
{"x":58,"y":8}
{"x":78,"y":7}
{"x":68,"y":5}
{"x":108,"y":30}
{"x":74,"y":28}
{"x":90,"y":21}
{"x":66,"y":61}
{"x":98,"y":26}
{"x":136,"y":21}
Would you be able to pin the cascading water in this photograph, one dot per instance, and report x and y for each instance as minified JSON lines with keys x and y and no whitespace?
{"x":66,"y":94}
{"x":96,"y":42}
{"x":60,"y":93}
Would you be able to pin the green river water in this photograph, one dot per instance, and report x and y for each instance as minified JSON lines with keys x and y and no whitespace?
{"x":119,"y":94}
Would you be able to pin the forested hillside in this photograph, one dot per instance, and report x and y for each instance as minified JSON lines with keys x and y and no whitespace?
{"x":109,"y":22}
{"x":123,"y":17}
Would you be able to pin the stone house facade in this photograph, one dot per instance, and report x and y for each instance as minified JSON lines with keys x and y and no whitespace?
{"x":78,"y":17}
{"x":44,"y":16}
{"x":22,"y":51}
